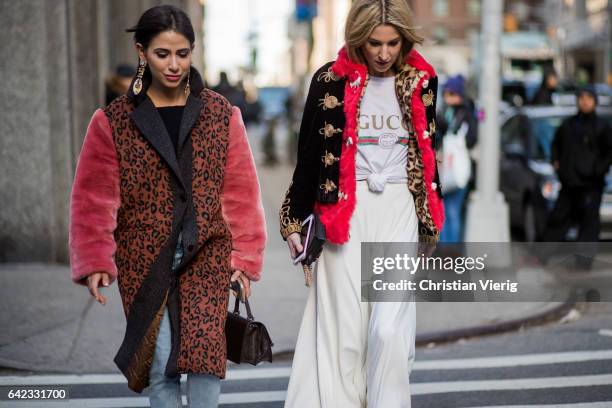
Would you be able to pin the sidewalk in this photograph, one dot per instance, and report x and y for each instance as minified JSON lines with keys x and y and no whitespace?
{"x":50,"y":324}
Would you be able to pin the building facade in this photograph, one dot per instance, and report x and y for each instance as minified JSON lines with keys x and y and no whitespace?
{"x":60,"y":52}
{"x":581,"y":30}
{"x":451,"y":31}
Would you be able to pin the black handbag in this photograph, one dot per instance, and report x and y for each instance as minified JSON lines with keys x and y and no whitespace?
{"x":247,"y":341}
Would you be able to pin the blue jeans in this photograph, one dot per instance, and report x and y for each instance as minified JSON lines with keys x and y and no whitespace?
{"x":452,"y":231}
{"x":203,"y":390}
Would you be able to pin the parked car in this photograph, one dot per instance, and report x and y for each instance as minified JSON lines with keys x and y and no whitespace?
{"x":527,"y":177}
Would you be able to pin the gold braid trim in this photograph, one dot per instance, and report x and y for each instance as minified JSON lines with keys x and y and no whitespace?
{"x":288,"y":224}
{"x":291,"y":228}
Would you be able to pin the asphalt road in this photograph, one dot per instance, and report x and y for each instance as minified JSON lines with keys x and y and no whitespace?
{"x":561,"y":364}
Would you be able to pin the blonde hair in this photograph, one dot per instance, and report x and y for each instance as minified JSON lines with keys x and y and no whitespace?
{"x":366,"y":15}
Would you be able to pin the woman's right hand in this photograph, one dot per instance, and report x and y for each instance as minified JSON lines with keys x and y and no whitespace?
{"x":93,"y":283}
{"x":294,"y":241}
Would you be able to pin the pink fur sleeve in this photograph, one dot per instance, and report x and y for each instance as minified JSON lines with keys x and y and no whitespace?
{"x":241,"y":202}
{"x":94,"y":203}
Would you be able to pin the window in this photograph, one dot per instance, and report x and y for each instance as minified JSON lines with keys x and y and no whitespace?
{"x":440,"y":34}
{"x":473,"y":8}
{"x":472,"y":35}
{"x":440,"y":8}
{"x":595,"y":6}
{"x":514,"y":135}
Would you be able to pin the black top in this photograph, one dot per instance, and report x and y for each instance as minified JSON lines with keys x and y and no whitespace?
{"x":583,"y":148}
{"x":172,"y":115}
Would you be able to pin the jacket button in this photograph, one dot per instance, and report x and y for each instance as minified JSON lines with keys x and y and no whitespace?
{"x":190,"y":248}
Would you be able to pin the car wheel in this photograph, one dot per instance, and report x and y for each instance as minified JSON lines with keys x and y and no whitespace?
{"x":530,"y":232}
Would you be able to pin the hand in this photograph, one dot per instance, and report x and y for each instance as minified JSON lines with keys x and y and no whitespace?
{"x":94,"y":281}
{"x":245,"y":284}
{"x":294,"y":241}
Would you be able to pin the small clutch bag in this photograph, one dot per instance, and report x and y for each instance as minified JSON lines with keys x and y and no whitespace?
{"x":313,"y":238}
{"x":247,"y":341}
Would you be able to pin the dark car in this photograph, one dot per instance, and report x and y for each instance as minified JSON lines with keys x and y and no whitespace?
{"x":527,"y":177}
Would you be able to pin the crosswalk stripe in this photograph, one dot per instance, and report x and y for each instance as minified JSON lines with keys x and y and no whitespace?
{"x":239,"y":374}
{"x":62,"y":379}
{"x":573,"y":405}
{"x":514,"y":361}
{"x":251,"y":397}
{"x":231,"y":398}
{"x":416,"y":389}
{"x":283,"y":372}
{"x":255,"y":373}
{"x":513,"y":384}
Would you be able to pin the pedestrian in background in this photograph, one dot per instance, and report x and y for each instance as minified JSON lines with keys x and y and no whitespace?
{"x":458,"y":126}
{"x":233,"y":93}
{"x":581,"y":154}
{"x":170,"y":212}
{"x":119,"y":82}
{"x":366,"y":166}
{"x":550,"y":81}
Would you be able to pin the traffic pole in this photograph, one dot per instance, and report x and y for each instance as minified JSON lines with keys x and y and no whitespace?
{"x":487,"y":213}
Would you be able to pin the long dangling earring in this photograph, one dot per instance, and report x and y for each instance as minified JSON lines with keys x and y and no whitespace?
{"x":188,"y":86}
{"x":137,"y":87}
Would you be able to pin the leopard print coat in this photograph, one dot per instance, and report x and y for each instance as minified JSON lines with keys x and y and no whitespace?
{"x":134,"y":195}
{"x":153,"y":207}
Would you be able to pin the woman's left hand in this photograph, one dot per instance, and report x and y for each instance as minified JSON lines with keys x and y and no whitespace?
{"x":244,"y":280}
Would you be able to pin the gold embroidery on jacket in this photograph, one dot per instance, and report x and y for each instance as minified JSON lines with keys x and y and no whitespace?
{"x":428,"y":98}
{"x":288,"y":224}
{"x":327,"y":76}
{"x":329,"y":102}
{"x":329,"y":159}
{"x":329,"y":186}
{"x":329,"y":130}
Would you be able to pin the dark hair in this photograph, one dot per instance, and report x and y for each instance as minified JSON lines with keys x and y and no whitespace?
{"x":159,"y":19}
{"x":154,"y":21}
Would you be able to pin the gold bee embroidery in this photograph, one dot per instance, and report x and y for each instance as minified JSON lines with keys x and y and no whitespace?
{"x":329,"y":159}
{"x":327,"y":76}
{"x":428,"y":98}
{"x":328,"y":186}
{"x":329,"y":130}
{"x":329,"y":102}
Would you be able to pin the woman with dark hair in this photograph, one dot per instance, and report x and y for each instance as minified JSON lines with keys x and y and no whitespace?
{"x":166,"y":200}
{"x":550,"y":81}
{"x":366,"y":166}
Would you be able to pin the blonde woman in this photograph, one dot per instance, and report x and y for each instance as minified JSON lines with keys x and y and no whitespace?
{"x":366,"y":165}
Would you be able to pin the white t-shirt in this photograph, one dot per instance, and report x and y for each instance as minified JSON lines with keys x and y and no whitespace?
{"x":382,"y":144}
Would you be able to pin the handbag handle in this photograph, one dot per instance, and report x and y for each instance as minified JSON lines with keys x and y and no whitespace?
{"x":237,"y":303}
{"x":248,"y":308}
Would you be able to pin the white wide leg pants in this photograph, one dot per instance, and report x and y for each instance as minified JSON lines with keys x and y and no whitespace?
{"x":351,"y":354}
